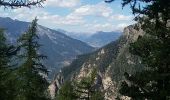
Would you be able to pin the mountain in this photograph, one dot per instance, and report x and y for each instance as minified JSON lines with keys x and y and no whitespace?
{"x":111,"y":62}
{"x":97,"y":39}
{"x":58,"y":47}
{"x":101,"y":38}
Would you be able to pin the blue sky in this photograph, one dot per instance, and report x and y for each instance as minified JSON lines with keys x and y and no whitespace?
{"x":80,"y":16}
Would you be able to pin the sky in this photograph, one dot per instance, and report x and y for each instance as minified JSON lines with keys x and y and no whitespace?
{"x":79,"y":16}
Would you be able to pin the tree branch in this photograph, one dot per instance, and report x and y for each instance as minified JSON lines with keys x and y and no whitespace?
{"x":21,"y":3}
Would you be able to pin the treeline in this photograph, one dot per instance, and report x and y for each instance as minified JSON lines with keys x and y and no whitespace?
{"x":22,"y":75}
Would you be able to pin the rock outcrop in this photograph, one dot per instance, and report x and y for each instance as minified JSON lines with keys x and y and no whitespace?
{"x":55,"y":85}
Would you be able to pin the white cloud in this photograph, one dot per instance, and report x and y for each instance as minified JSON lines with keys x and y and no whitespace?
{"x":99,"y":9}
{"x":62,"y":3}
{"x":104,"y":18}
{"x":105,"y":27}
{"x":28,"y":14}
{"x":121,"y":17}
{"x":121,"y":26}
{"x":45,"y":18}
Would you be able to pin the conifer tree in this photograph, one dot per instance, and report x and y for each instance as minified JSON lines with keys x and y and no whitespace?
{"x":153,"y":48}
{"x":32,"y":85}
{"x":67,"y":92}
{"x":7,"y":51}
{"x":84,"y":89}
{"x":87,"y":89}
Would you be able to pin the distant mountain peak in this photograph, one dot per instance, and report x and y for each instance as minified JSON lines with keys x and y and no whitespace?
{"x":97,"y":39}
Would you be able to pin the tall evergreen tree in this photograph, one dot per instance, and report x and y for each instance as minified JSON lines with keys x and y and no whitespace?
{"x":153,"y":48}
{"x":7,"y":51}
{"x":31,"y":85}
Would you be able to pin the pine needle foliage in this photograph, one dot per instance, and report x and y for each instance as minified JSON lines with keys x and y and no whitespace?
{"x":31,"y":83}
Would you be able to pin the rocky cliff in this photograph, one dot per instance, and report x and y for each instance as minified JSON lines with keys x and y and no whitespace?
{"x":55,"y":85}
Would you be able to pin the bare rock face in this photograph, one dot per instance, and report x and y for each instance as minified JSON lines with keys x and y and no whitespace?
{"x":55,"y":85}
{"x":52,"y":89}
{"x":131,"y":33}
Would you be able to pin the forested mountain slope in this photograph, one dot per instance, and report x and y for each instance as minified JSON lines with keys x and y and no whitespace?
{"x":59,"y":48}
{"x":111,"y":61}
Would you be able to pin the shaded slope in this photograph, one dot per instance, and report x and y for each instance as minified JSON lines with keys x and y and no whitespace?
{"x":60,"y":48}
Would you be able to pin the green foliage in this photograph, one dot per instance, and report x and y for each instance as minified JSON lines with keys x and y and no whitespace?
{"x":84,"y":89}
{"x":23,"y":82}
{"x":67,"y":92}
{"x":121,"y":63}
{"x":31,"y":46}
{"x":6,"y":53}
{"x":154,"y":50}
{"x":30,"y":84}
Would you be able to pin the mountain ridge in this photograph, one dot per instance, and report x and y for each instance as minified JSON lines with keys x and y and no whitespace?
{"x":60,"y":48}
{"x":97,"y":39}
{"x":111,"y":61}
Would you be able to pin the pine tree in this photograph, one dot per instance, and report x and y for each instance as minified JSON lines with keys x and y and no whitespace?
{"x":153,"y":48}
{"x":7,"y":52}
{"x":30,"y":84}
{"x":67,"y":92}
{"x":84,"y":89}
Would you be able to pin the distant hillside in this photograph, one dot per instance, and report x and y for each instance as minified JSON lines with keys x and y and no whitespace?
{"x":98,"y":39}
{"x":60,"y":48}
{"x":111,"y":61}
